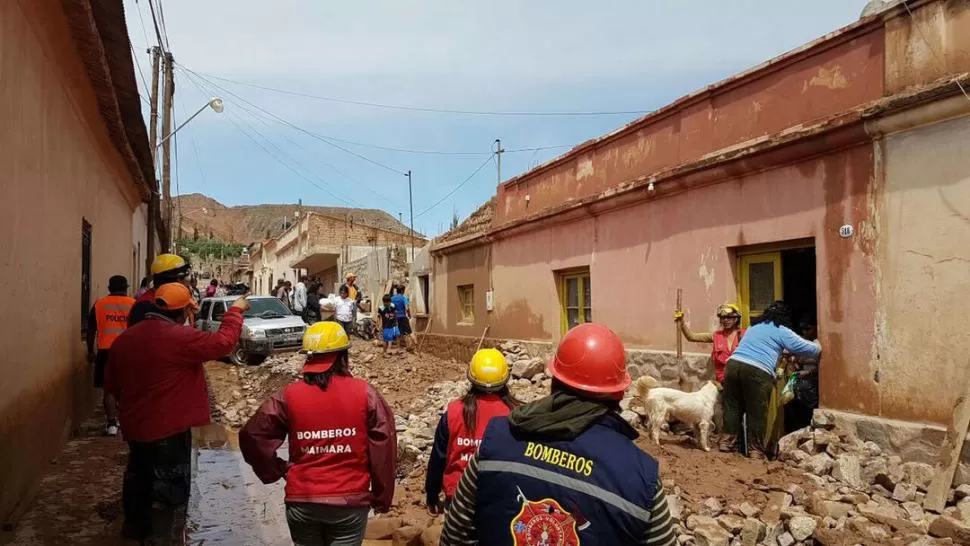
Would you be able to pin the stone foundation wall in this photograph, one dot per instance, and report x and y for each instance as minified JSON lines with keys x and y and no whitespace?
{"x":912,"y":442}
{"x":688,"y":375}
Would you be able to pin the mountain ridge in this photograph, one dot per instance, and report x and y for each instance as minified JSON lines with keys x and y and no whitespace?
{"x":205,"y":216}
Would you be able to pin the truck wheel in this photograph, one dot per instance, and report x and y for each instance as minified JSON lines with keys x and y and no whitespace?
{"x":238,"y":356}
{"x":255,"y":360}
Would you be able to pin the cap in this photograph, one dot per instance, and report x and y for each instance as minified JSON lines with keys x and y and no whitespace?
{"x":320,"y":362}
{"x":173,"y":296}
{"x":117,"y":283}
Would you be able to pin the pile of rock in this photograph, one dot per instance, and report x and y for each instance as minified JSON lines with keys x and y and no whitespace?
{"x":862,"y":490}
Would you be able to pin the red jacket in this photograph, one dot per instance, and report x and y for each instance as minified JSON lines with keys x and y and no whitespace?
{"x":462,"y":444}
{"x":155,"y":371}
{"x":326,"y":474}
{"x":723,"y":349}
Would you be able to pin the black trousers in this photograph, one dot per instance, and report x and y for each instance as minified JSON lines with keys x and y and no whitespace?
{"x":156,"y":489}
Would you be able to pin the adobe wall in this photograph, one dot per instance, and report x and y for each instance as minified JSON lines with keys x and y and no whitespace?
{"x":59,"y":168}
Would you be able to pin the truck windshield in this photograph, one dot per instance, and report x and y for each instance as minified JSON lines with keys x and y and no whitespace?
{"x":266,"y":308}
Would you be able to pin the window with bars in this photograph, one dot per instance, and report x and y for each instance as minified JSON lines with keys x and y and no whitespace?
{"x":85,"y":274}
{"x":576,"y":299}
{"x":466,"y":303}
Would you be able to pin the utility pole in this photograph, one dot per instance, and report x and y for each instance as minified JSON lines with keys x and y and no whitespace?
{"x":498,"y":156}
{"x":167,"y":63}
{"x":411,"y":206}
{"x":153,"y":140}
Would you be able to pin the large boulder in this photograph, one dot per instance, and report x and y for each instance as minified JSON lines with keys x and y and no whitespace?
{"x":528,"y":368}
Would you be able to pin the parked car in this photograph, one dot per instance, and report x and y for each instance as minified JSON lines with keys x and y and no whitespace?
{"x":268,"y":327}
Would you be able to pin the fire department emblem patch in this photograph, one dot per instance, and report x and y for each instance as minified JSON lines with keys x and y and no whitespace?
{"x":546,"y":523}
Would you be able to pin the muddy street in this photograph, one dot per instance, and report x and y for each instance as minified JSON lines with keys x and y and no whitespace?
{"x":828,"y":488}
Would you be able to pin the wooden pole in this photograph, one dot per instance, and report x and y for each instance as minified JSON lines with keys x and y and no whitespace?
{"x":680,"y":338}
{"x":946,"y":466}
{"x":482,"y":340}
{"x":153,"y":141}
{"x":169,"y":94}
{"x":427,"y":328}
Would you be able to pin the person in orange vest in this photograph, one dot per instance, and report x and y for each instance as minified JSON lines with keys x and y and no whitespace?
{"x":106,"y":321}
{"x":462,"y":426}
{"x":166,"y":268}
{"x":342,"y":444}
{"x":725,"y":339}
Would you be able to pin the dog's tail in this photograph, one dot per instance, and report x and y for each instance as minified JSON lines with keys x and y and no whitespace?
{"x":644,"y":384}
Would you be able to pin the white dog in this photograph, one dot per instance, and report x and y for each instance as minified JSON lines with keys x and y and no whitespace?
{"x":693,"y":408}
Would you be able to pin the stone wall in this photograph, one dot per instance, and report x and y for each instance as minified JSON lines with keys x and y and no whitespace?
{"x":912,"y":442}
{"x":687,"y":375}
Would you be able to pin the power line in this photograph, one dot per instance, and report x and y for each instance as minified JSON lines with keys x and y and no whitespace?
{"x":158,"y":33}
{"x":456,"y":188}
{"x":161,"y":16}
{"x":142,"y":22}
{"x":257,"y":116}
{"x":393,"y":148}
{"x":298,"y":128}
{"x":229,"y":116}
{"x":281,"y":162}
{"x":144,"y":82}
{"x":428,"y":109}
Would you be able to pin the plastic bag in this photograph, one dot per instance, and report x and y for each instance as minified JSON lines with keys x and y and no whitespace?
{"x":788,"y":393}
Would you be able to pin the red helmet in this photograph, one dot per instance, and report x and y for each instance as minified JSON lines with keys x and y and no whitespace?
{"x":591,"y":358}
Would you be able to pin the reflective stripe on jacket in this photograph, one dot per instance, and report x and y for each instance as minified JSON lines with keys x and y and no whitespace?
{"x":463,"y":444}
{"x":111,"y":314}
{"x":597,"y":489}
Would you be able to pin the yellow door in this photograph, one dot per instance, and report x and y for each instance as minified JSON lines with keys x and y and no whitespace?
{"x":760,"y":283}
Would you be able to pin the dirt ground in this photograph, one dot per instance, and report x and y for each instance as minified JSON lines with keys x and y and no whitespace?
{"x":79,"y":501}
{"x":404,"y":378}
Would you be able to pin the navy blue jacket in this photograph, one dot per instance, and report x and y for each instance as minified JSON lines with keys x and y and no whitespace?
{"x":597,"y":489}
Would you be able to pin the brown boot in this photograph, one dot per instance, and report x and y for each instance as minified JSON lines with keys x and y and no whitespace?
{"x":727,"y":443}
{"x":756,"y":453}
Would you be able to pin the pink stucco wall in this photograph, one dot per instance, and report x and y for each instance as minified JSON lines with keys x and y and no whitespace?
{"x":640,"y":255}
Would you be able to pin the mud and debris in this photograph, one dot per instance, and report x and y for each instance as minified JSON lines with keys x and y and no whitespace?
{"x":827,"y":487}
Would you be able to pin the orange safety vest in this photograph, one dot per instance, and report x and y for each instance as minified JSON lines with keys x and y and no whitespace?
{"x":111,"y":313}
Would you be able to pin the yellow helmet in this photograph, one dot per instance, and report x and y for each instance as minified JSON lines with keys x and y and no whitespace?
{"x":488,"y":370}
{"x":728,"y":310}
{"x":169,"y":266}
{"x":325,"y":337}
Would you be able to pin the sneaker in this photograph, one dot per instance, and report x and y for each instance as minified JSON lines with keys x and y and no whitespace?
{"x":112,"y":429}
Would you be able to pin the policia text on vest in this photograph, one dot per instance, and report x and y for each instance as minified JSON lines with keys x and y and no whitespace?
{"x":558,"y":457}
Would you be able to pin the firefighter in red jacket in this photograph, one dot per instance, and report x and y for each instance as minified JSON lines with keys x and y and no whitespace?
{"x":342,"y":444}
{"x":155,"y":370}
{"x":462,"y":426}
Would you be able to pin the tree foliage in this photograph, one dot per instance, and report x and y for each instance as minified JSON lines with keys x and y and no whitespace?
{"x":211,"y":248}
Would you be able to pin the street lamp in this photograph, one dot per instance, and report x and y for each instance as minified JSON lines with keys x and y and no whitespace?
{"x":215,"y":103}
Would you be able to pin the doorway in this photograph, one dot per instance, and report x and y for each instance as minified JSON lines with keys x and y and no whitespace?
{"x":787,"y":273}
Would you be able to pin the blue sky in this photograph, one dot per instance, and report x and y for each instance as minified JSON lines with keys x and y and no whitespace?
{"x":497,"y":56}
